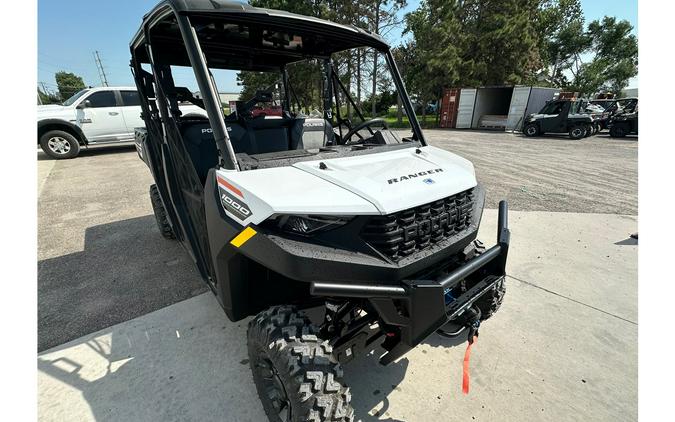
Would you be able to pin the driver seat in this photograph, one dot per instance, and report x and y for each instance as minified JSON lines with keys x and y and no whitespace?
{"x":311,"y":133}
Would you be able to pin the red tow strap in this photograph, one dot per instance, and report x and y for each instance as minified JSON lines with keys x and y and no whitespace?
{"x":465,"y":370}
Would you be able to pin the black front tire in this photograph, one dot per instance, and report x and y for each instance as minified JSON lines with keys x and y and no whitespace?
{"x":577,"y":132}
{"x":617,"y":131}
{"x":589,"y":130}
{"x":59,"y":144}
{"x":531,"y":130}
{"x":160,"y":214}
{"x":294,"y":372}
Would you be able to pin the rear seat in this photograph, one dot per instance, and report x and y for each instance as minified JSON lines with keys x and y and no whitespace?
{"x":256,"y":136}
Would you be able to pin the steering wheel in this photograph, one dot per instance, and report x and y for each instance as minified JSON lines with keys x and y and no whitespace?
{"x":362,"y":126}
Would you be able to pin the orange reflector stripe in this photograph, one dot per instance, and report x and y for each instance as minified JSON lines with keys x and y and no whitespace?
{"x":465,"y":369}
{"x":229,"y":186}
{"x":243,"y":237}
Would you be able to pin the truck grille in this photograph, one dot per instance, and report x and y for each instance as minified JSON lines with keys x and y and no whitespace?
{"x":400,"y":234}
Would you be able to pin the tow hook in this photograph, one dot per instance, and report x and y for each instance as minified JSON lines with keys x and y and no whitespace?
{"x":473,"y":324}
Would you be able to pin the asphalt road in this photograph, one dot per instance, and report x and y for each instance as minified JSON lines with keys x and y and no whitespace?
{"x":102,"y":261}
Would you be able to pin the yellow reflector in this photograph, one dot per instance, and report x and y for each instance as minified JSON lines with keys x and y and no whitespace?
{"x":243,"y":237}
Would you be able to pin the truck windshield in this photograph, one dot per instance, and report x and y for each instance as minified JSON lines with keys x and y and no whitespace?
{"x":74,"y":98}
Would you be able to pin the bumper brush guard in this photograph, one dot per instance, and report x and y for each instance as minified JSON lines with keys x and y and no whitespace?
{"x":427,"y":311}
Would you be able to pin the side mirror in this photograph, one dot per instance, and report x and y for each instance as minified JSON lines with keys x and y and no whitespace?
{"x":84,"y":104}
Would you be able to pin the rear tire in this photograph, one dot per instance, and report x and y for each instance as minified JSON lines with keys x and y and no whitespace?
{"x":589,"y":130}
{"x":59,"y":144}
{"x":160,"y":214}
{"x":617,"y":131}
{"x":531,"y":130}
{"x":295,"y":374}
{"x":577,"y":132}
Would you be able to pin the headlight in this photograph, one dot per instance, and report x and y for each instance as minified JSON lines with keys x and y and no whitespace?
{"x":306,"y":225}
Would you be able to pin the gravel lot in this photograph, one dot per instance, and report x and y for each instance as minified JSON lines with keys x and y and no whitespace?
{"x":553,"y":173}
{"x":102,"y":260}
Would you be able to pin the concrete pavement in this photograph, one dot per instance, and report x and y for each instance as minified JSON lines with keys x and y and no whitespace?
{"x":562,"y":348}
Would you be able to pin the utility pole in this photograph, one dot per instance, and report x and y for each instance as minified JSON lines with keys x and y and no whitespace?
{"x":99,"y":67}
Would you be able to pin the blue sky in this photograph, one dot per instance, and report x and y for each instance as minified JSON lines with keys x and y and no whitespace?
{"x":70,"y":31}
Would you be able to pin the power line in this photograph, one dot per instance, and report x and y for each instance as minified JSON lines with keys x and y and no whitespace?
{"x":99,"y":67}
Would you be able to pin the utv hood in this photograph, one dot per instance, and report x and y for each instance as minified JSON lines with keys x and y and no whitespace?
{"x":397,"y":180}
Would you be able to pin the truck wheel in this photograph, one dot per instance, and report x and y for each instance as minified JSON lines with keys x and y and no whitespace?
{"x":577,"y":132}
{"x":589,"y":130}
{"x":160,"y":214}
{"x":531,"y":130}
{"x":296,"y":377}
{"x":617,"y":131}
{"x":59,"y":144}
{"x":491,"y":300}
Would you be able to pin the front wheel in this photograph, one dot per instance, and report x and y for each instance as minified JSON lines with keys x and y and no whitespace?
{"x":531,"y":130}
{"x":577,"y":132}
{"x":59,"y":144}
{"x":295,"y":374}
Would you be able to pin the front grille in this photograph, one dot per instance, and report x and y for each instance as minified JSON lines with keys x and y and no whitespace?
{"x":400,"y":234}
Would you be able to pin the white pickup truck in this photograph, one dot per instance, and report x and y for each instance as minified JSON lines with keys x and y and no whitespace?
{"x":93,"y":116}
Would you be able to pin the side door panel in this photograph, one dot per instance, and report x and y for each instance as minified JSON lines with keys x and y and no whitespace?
{"x":131,"y":110}
{"x":101,"y":120}
{"x":554,"y":118}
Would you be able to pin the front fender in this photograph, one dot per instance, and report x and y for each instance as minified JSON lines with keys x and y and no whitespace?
{"x":55,"y":123}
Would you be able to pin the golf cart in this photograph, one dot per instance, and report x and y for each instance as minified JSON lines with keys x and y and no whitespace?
{"x":561,"y":116}
{"x":316,"y":209}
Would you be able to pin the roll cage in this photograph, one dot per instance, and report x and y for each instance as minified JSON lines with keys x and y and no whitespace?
{"x":237,"y":36}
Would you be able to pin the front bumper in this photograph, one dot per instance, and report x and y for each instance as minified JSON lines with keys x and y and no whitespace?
{"x":418,"y":307}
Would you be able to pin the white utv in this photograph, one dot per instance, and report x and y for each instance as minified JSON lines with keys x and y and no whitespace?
{"x":296,"y":203}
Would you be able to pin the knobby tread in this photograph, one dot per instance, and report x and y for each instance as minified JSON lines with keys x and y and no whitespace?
{"x":160,"y":214}
{"x":310,"y":375}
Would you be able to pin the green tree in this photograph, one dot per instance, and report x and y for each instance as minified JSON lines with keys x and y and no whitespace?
{"x":563,"y":38}
{"x":433,"y":59}
{"x":68,"y":84}
{"x":615,"y":57}
{"x":48,"y":97}
{"x":500,"y":42}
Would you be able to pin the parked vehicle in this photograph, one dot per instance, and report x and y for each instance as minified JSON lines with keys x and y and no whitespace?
{"x":610,"y":107}
{"x":93,"y":116}
{"x":309,"y":210}
{"x":561,"y":116}
{"x":624,"y":123}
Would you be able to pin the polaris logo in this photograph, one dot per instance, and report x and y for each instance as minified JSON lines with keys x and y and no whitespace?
{"x":414,"y":175}
{"x":209,"y":130}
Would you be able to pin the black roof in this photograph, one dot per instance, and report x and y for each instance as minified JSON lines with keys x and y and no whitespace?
{"x":320,"y":37}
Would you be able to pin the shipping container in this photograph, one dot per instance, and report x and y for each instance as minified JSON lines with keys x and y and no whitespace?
{"x":499,"y":107}
{"x":449,"y":106}
{"x":491,"y":109}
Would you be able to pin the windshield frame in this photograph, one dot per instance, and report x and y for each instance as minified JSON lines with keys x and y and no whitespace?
{"x":76,"y":96}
